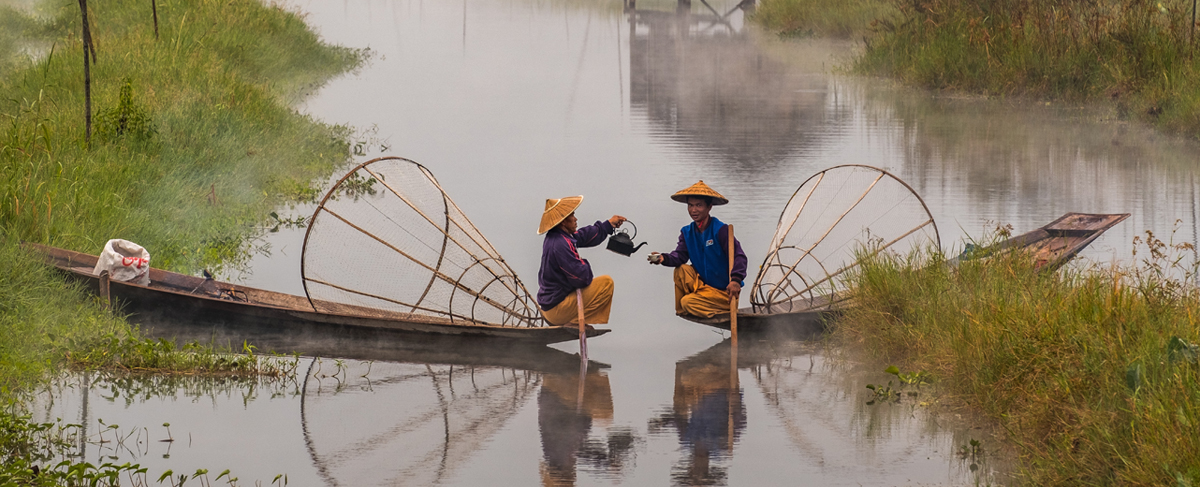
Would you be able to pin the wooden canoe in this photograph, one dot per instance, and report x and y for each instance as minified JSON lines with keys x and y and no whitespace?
{"x":1050,"y":246}
{"x":173,"y":298}
{"x":1055,"y":243}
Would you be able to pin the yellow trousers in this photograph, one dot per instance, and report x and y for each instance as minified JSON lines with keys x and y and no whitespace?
{"x":694,"y":297}
{"x":597,"y":302}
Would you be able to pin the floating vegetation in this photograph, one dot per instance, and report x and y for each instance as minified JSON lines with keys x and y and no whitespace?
{"x":162,"y":356}
{"x":45,"y":454}
{"x":888,"y":393}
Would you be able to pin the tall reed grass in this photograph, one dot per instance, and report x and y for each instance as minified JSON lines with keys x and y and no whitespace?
{"x":1092,"y":372}
{"x":1138,"y":56}
{"x":1137,"y":53}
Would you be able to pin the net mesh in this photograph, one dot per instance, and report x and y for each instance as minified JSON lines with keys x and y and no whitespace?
{"x":836,"y":217}
{"x":388,"y":241}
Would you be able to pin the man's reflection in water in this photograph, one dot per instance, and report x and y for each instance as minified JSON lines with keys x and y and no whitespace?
{"x":565,"y":422}
{"x":708,"y":415}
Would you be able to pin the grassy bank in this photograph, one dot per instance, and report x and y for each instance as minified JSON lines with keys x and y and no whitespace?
{"x":1136,"y":55}
{"x":1093,"y":374}
{"x":849,"y":19}
{"x":194,"y":143}
{"x":199,"y":148}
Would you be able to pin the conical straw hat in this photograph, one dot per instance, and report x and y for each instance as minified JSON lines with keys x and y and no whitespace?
{"x":557,"y":210}
{"x":700,"y":189}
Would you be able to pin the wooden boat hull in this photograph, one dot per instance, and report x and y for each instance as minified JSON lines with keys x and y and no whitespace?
{"x":1050,"y":246}
{"x":173,"y":298}
{"x":1059,"y":241}
{"x":801,"y":322}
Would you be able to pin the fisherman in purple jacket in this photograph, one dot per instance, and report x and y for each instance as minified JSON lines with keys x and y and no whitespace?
{"x":705,"y":287}
{"x":563,"y":270}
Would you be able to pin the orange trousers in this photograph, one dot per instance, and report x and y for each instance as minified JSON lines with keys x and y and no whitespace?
{"x":694,"y":297}
{"x":597,"y":302}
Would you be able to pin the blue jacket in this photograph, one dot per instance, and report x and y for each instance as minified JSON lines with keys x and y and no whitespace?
{"x":706,"y":249}
{"x":563,"y":270}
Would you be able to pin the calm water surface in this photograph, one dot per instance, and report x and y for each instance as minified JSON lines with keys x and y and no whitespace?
{"x":510,"y":102}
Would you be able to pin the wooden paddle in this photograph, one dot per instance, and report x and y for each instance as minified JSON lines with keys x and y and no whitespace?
{"x":582,"y":326}
{"x":582,"y":351}
{"x":733,"y":350}
{"x":733,"y":302}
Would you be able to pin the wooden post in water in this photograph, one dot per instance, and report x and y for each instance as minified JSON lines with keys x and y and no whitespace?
{"x":87,"y":73}
{"x":105,"y":292}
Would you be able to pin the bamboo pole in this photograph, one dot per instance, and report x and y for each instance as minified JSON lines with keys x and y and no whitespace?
{"x":582,"y":350}
{"x":582,"y":327}
{"x":582,"y":383}
{"x":733,"y":302}
{"x":733,"y":349}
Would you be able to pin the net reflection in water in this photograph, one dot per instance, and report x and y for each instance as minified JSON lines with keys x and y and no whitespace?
{"x":422,"y":423}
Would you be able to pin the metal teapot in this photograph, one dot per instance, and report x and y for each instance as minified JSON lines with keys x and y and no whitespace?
{"x":622,"y":243}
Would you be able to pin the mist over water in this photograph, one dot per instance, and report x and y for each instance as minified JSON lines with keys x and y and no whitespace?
{"x":510,"y":102}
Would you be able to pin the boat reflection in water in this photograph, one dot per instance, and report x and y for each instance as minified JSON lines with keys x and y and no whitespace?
{"x":708,"y":415}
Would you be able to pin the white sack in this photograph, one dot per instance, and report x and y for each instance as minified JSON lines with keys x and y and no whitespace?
{"x":125,"y":261}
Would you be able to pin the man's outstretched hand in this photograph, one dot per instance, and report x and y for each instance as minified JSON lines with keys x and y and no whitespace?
{"x":617,"y":220}
{"x":654,"y":258}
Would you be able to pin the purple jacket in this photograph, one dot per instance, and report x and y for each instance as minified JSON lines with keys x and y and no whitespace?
{"x":680,"y":256}
{"x":563,"y":270}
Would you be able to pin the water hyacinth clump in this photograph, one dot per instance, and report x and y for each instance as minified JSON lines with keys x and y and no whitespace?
{"x":1091,"y":370}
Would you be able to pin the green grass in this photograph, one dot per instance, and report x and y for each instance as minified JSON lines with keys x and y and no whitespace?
{"x":806,"y":18}
{"x":195,"y":142}
{"x":188,"y":161}
{"x":1092,"y":373}
{"x":1136,"y":56}
{"x":216,"y":86}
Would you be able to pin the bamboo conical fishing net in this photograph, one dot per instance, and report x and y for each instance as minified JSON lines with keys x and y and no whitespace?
{"x":836,"y":217}
{"x":387,"y":240}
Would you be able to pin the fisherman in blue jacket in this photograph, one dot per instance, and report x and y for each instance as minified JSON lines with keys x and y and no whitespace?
{"x":705,"y":287}
{"x":563,"y":271}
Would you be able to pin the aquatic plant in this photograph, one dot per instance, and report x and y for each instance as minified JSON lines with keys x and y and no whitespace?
{"x":888,"y":393}
{"x":1087,"y":369}
{"x":162,"y":356}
